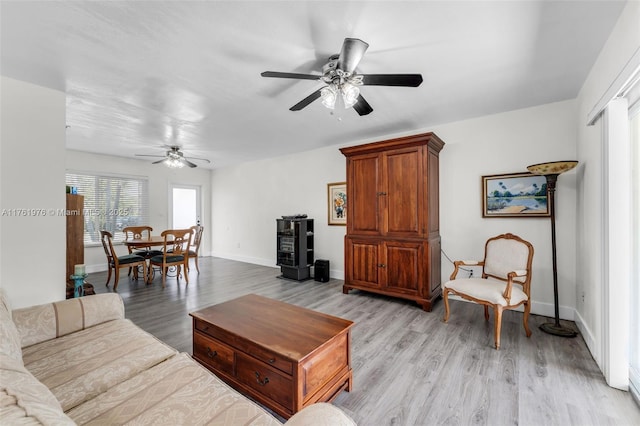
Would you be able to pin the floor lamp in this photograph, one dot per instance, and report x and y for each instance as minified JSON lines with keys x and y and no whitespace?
{"x":551,"y":171}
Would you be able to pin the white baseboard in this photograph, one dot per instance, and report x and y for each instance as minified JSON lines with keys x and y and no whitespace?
{"x":589,"y":338}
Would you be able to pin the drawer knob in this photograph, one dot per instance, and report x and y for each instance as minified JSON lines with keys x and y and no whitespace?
{"x":263,"y":381}
{"x":272,"y":360}
{"x":210,"y":353}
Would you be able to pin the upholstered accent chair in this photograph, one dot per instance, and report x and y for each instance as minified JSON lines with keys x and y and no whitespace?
{"x":115,"y":262}
{"x":174,"y":254}
{"x":505,"y":282}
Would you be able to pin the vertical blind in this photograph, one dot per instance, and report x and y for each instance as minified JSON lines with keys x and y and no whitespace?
{"x":111,"y":203}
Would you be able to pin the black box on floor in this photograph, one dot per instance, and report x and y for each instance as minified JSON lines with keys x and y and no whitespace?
{"x":321,"y":270}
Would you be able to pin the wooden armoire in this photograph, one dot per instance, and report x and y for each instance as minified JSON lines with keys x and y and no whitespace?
{"x":75,"y":237}
{"x":392,"y":245}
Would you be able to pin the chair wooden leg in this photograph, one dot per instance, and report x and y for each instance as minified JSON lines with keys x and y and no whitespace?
{"x":445,"y":297}
{"x":527,"y":309}
{"x":115,"y":284}
{"x":164,"y":275}
{"x":109,"y":276}
{"x":197,"y":267}
{"x":186,"y":271}
{"x":144,"y":273}
{"x":497,"y":324}
{"x":486,"y":313}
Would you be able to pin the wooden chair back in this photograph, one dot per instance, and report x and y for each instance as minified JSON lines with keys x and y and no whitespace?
{"x":505,"y":253}
{"x":177,"y":242}
{"x":197,"y":238}
{"x":107,"y":244}
{"x":137,"y":232}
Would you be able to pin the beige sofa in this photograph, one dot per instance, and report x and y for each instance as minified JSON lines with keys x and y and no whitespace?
{"x":79,"y":361}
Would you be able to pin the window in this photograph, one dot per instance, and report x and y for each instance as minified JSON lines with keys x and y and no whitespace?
{"x":111,"y":203}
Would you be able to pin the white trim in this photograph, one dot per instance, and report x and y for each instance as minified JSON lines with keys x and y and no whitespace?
{"x":617,"y":244}
{"x":197,"y":188}
{"x":622,"y":82}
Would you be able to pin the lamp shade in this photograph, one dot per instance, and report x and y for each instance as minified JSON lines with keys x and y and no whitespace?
{"x":552,"y":168}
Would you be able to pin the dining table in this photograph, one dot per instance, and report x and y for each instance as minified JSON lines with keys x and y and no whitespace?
{"x":151,"y":241}
{"x":146,"y":242}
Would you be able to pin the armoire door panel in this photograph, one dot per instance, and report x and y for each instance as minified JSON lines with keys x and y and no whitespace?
{"x":403,"y":183}
{"x":364,"y":261}
{"x":433,"y":211}
{"x":404,"y":269}
{"x":363,"y":195}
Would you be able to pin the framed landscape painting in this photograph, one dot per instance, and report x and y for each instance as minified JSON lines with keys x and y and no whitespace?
{"x":515,"y":195}
{"x":337,"y":203}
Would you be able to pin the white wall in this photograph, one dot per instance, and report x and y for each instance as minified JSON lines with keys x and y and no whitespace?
{"x":508,"y":143}
{"x":623,"y":42}
{"x":160,"y":178}
{"x":32,"y":248}
{"x":248,"y":198}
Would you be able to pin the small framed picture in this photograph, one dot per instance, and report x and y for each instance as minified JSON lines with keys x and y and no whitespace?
{"x":515,"y":195}
{"x":337,"y":203}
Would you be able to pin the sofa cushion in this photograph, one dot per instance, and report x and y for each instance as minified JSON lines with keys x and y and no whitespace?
{"x":79,"y":366}
{"x":176,"y":391}
{"x":9,"y":337}
{"x":24,"y":400}
{"x":44,"y":322}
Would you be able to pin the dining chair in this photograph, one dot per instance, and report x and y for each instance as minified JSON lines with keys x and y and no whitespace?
{"x":175,"y":253}
{"x":194,"y":250}
{"x":139,"y":233}
{"x":116,"y":262}
{"x":505,"y":282}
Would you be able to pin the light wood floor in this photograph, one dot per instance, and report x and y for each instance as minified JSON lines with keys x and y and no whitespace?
{"x":409,"y":367}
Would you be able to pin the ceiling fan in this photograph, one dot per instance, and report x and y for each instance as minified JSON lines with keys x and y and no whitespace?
{"x":343,"y":82}
{"x":174,"y":158}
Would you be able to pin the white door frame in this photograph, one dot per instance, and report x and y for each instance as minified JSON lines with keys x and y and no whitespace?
{"x":198,"y":189}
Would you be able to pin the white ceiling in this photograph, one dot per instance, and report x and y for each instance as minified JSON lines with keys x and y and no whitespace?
{"x":140,"y":75}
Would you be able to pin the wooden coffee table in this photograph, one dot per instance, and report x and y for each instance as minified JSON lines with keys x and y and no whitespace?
{"x":283,"y":356}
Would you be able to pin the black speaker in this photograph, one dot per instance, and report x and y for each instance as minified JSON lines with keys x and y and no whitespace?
{"x":321,"y":270}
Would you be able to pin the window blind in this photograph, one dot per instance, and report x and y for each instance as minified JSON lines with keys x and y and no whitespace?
{"x":111,"y":203}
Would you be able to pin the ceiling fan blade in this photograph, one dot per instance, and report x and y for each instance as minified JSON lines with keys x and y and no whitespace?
{"x":306,"y":101}
{"x":408,"y":80}
{"x":199,"y":159}
{"x":362,"y":107}
{"x":277,"y":74}
{"x":188,"y":163}
{"x":149,"y":155}
{"x":159,"y":161}
{"x":352,"y":52}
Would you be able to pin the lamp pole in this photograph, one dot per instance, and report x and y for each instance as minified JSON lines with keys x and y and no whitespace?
{"x":551,"y":172}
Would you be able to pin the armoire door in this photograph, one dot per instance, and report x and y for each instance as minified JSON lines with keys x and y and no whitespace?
{"x":362,"y":259}
{"x":403,"y":192}
{"x":363,"y":195}
{"x":404,"y":267}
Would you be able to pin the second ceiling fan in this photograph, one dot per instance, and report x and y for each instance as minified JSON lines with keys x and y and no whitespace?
{"x":343,"y":82}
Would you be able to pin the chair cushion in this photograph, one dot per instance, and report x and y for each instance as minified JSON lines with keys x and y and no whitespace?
{"x":488,"y":290}
{"x":148,"y":253}
{"x":24,"y":400}
{"x":84,"y":364}
{"x":178,"y":391}
{"x":130,"y":258}
{"x":10,"y":344}
{"x":170,"y":259}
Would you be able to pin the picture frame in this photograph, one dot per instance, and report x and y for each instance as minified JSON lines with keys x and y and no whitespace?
{"x":337,"y":203}
{"x":520,"y":195}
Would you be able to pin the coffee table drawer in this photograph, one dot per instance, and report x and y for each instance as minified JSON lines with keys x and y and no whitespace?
{"x":213,"y":353}
{"x":272,"y":359}
{"x":265,"y":380}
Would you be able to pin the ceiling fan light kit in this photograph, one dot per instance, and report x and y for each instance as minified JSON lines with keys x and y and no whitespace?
{"x":342,"y":81}
{"x":175,"y":159}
